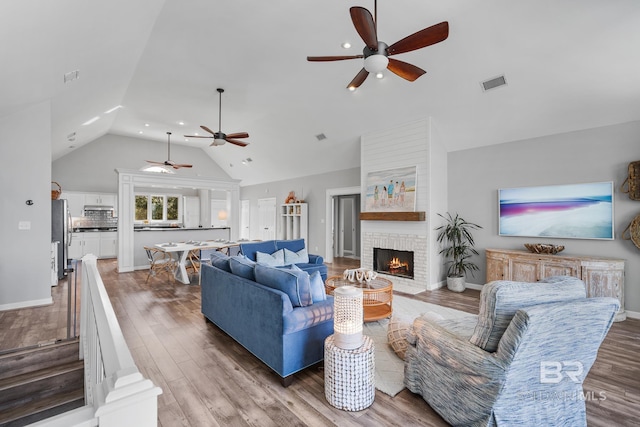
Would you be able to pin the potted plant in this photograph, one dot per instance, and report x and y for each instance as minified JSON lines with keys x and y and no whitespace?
{"x":458,"y":245}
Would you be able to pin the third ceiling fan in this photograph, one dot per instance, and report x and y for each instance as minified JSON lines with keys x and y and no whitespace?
{"x":376,"y":53}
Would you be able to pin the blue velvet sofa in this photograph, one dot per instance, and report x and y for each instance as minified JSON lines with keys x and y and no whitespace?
{"x":289,"y":247}
{"x":275,"y":313}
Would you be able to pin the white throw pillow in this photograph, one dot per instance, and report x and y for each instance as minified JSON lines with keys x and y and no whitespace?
{"x":300,"y":257}
{"x":275,"y":259}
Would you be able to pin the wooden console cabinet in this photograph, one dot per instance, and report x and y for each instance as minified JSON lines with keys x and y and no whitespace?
{"x":603,"y":277}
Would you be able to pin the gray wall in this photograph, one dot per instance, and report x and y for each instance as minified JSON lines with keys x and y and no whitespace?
{"x":92,"y":166}
{"x":313,"y":189}
{"x":25,"y":255}
{"x":600,"y":154}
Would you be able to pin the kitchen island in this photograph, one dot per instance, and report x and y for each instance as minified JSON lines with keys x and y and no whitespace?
{"x":150,"y":236}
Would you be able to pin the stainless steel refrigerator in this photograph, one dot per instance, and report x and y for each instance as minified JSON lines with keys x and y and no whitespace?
{"x":61,"y":232}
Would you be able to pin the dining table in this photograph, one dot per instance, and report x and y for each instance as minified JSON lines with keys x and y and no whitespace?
{"x":182,"y":249}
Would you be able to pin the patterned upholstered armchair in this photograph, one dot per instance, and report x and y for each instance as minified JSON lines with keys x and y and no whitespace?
{"x":522,"y":362}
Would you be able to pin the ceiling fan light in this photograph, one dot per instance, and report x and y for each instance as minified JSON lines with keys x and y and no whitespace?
{"x":376,"y":63}
{"x":218,"y":141}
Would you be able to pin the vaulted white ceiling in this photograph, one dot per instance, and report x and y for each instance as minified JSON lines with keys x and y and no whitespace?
{"x":569,"y":65}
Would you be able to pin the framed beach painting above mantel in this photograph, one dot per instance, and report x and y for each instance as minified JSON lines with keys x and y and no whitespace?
{"x":391,"y":190}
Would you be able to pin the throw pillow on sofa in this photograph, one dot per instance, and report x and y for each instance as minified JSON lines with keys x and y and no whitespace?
{"x":318,"y":292}
{"x":300,"y":257}
{"x":292,"y":282}
{"x":275,"y":259}
{"x":220,"y":260}
{"x":243,"y":267}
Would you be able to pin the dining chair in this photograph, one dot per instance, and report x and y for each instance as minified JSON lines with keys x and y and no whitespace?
{"x":159,"y":262}
{"x":193,"y":261}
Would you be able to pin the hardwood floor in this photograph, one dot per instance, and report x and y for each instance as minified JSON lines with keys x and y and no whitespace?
{"x":210,"y":380}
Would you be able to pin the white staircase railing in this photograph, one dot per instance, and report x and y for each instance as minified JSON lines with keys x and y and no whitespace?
{"x":116,"y":393}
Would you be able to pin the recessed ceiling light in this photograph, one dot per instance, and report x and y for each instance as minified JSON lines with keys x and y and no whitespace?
{"x":181,"y":123}
{"x":352,"y":88}
{"x":88,"y":122}
{"x":140,"y":132}
{"x":146,"y":125}
{"x":379,"y":75}
{"x":346,"y":45}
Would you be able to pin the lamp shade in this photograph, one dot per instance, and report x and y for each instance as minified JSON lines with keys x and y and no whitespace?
{"x":376,"y":63}
{"x":347,"y":317}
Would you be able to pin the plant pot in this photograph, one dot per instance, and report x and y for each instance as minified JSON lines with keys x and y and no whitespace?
{"x":456,"y":284}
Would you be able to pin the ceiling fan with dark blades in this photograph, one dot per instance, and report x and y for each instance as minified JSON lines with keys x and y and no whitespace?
{"x":219,"y":137}
{"x":377,"y":54}
{"x":170,"y":162}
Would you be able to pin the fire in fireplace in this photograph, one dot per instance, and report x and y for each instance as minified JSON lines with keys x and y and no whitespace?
{"x":393,"y":262}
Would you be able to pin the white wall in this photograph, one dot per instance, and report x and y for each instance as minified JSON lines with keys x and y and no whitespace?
{"x":92,"y":166}
{"x":600,"y":154}
{"x":25,"y":150}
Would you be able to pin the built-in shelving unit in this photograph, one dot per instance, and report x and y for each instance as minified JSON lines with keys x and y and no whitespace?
{"x":294,"y":221}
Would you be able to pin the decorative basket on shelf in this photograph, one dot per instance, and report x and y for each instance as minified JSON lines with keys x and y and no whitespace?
{"x":632,"y":232}
{"x":55,"y":194}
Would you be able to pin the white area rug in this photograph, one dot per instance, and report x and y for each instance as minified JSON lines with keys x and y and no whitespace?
{"x":389,"y":375}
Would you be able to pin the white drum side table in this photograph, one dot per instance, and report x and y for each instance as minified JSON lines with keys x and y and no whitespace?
{"x":349,"y":376}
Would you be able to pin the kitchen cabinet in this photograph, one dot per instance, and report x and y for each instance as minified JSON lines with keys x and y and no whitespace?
{"x":100,"y":244}
{"x":108,"y":244}
{"x":75,"y":202}
{"x":294,"y":222}
{"x":603,"y":277}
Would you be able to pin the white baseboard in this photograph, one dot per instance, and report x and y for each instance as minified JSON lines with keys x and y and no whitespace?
{"x":25,"y":304}
{"x":632,"y":314}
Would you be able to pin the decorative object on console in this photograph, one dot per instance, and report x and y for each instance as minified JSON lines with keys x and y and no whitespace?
{"x":219,"y":138}
{"x":458,"y":243}
{"x":631,"y":184}
{"x":359,"y":274}
{"x":347,"y":317}
{"x":376,"y":53}
{"x":543,"y":248}
{"x":576,"y":211}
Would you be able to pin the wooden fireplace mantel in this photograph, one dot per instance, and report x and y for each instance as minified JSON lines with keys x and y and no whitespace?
{"x":393,"y":216}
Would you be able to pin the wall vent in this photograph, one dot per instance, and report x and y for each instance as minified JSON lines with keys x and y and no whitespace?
{"x":493,"y":83}
{"x":321,"y":136}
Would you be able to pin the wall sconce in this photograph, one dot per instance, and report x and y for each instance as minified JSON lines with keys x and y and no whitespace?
{"x":347,"y":317}
{"x":222,"y":215}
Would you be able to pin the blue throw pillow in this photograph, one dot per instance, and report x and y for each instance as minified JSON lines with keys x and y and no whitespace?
{"x":292,"y":282}
{"x":317,"y":287}
{"x":220,"y":260}
{"x":300,"y":257}
{"x":243,"y":267}
{"x":275,"y":259}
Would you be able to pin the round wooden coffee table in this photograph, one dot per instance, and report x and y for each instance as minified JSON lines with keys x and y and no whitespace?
{"x":376,"y":295}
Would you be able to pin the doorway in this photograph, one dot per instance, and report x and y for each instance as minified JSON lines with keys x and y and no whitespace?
{"x":338,"y":241}
{"x":267,"y":218}
{"x":346,"y":228}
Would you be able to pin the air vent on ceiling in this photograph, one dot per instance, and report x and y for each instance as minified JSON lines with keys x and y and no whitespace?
{"x":493,"y":83}
{"x":321,"y":136}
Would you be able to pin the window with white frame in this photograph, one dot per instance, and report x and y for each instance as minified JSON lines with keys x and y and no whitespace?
{"x":157,"y":208}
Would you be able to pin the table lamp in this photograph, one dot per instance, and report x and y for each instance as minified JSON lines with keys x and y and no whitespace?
{"x":347,"y":317}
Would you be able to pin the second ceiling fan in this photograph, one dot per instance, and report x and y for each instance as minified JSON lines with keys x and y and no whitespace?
{"x":376,"y":53}
{"x":219,"y":138}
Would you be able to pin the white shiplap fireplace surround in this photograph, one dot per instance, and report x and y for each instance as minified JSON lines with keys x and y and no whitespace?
{"x":411,"y":144}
